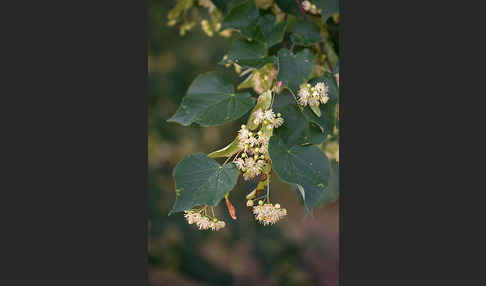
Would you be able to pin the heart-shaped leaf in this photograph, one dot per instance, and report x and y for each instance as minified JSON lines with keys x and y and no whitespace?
{"x":297,"y":129}
{"x":211,"y":100}
{"x":305,"y":33}
{"x":200,"y":180}
{"x":295,"y":69}
{"x":306,"y":166}
{"x":242,"y":49}
{"x":273,"y":32}
{"x":241,"y":16}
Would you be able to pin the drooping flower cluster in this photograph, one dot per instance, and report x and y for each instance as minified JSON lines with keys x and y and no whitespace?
{"x":254,"y":146}
{"x":313,"y":95}
{"x":268,"y":213}
{"x":203,"y":222}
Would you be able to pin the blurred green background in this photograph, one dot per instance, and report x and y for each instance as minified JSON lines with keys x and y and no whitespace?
{"x":299,"y":250}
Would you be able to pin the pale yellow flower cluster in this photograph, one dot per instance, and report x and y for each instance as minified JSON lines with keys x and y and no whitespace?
{"x":254,"y":148}
{"x":203,"y":222}
{"x":313,"y":95}
{"x":268,"y":213}
{"x":254,"y":145}
{"x":268,"y":118}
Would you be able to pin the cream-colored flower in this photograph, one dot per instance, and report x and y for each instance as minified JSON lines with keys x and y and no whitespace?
{"x":278,"y":122}
{"x":269,"y":115}
{"x":259,"y":117}
{"x":203,"y":222}
{"x":240,"y":163}
{"x":268,"y":214}
{"x":244,"y":133}
{"x":304,"y":95}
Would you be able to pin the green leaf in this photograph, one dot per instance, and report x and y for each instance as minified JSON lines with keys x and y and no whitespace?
{"x":273,"y":32}
{"x":306,"y":166}
{"x":253,"y":32}
{"x":227,"y":151}
{"x":333,"y":193}
{"x":305,"y":33}
{"x":297,"y":129}
{"x":200,"y":180}
{"x":211,"y":100}
{"x":295,"y":69}
{"x":258,"y":63}
{"x":289,"y":6}
{"x":225,"y":5}
{"x":242,"y":49}
{"x":241,"y":16}
{"x":328,"y":7}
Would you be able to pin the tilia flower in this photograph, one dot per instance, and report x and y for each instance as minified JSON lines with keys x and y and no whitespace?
{"x":313,"y":95}
{"x":203,"y":222}
{"x":268,"y":213}
{"x":253,"y":145}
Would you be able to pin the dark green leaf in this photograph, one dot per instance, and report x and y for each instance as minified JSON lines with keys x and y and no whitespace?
{"x":200,"y":180}
{"x":328,"y":7}
{"x":273,"y":32}
{"x":306,"y":166}
{"x":241,"y":16}
{"x":290,"y":6}
{"x":333,"y":193}
{"x":258,"y":63}
{"x":211,"y":100}
{"x":253,"y":32}
{"x":225,"y":5}
{"x":305,"y":33}
{"x":242,"y":49}
{"x":295,"y":69}
{"x":297,"y":129}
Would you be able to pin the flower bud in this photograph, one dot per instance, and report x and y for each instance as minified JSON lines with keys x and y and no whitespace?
{"x":277,"y":206}
{"x":260,"y":203}
{"x":249,"y":203}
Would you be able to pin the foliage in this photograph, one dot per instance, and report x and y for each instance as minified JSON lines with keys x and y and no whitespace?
{"x":288,"y":56}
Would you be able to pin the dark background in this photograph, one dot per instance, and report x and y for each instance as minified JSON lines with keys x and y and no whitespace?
{"x":299,"y":250}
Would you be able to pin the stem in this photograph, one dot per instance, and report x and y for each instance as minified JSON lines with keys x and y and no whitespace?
{"x":227,"y":160}
{"x":212,"y":210}
{"x":268,"y":189}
